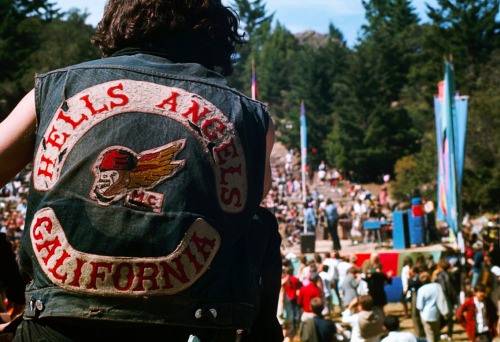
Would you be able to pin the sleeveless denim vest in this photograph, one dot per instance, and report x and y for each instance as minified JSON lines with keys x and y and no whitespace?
{"x":146,"y":177}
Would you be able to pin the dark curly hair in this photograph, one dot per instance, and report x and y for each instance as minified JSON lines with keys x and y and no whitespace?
{"x":186,"y":31}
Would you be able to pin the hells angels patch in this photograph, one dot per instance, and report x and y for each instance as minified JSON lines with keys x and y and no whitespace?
{"x":120,"y":172}
{"x":214,"y":131}
{"x":121,"y":276}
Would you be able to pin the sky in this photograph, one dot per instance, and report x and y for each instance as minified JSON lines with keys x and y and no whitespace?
{"x":295,"y":15}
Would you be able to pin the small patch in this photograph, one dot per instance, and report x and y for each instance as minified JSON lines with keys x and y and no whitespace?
{"x":121,"y":276}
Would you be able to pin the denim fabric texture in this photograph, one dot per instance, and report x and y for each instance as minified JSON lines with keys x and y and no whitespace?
{"x":154,"y":222}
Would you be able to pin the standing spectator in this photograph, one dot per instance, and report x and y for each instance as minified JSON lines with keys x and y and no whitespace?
{"x":317,"y":329}
{"x":326,"y":280}
{"x":369,"y":265}
{"x":333,"y":272}
{"x":306,"y":293}
{"x":310,"y":217}
{"x":478,"y":315}
{"x":382,"y":196}
{"x":344,"y":266}
{"x":367,"y":323}
{"x":359,"y":214}
{"x":432,"y":305}
{"x":292,"y":308}
{"x":350,"y":285}
{"x":376,"y":283}
{"x":391,"y":325}
{"x":405,"y":277}
{"x":413,"y":285}
{"x":332,"y":218}
{"x":476,"y":263}
{"x":443,"y":278}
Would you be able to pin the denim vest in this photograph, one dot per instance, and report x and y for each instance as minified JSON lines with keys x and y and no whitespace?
{"x":146,"y":177}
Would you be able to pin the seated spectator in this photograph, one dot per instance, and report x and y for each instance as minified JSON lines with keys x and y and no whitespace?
{"x":366,"y":324}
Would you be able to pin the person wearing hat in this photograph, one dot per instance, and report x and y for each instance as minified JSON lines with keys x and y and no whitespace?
{"x":144,"y":216}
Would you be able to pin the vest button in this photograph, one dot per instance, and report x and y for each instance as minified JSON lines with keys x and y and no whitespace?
{"x":213,"y":312}
{"x":198,"y":314}
{"x":39,"y":305}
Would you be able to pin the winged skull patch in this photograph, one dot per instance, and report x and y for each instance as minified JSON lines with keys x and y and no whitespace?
{"x":120,"y":172}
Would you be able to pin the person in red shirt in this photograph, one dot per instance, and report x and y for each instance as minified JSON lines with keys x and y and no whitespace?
{"x":292,"y":286}
{"x":478,"y":315}
{"x":306,"y":293}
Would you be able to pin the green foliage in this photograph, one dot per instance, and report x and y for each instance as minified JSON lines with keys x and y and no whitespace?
{"x":38,"y":40}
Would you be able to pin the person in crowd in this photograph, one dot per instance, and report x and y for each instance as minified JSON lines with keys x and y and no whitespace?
{"x":430,"y":264}
{"x":350,"y":285}
{"x":431,"y":302}
{"x":476,"y":262}
{"x":292,"y":286}
{"x":332,"y":219}
{"x":443,"y":278}
{"x":478,"y":315}
{"x":413,"y":285}
{"x":317,"y":328}
{"x":326,"y":282}
{"x":118,"y":145}
{"x":391,"y":326}
{"x":366,"y":322}
{"x":333,"y":272}
{"x":376,"y":283}
{"x":405,"y":277}
{"x":306,"y":293}
{"x":310,"y":217}
{"x":370,"y":265}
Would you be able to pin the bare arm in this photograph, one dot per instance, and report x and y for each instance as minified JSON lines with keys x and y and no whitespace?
{"x":269,"y":147}
{"x":17,"y":138}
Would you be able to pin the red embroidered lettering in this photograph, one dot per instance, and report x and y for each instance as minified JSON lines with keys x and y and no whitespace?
{"x":212,"y":122}
{"x":129,"y":276}
{"x":194,"y":112}
{"x":123,"y":97}
{"x":224,"y":172}
{"x":52,"y":138}
{"x":58,"y":264}
{"x":234,"y":193}
{"x":50,"y":246}
{"x":192,"y":259}
{"x":71,"y":122}
{"x":38,"y":235}
{"x":137,"y":196}
{"x":201,"y":243}
{"x":90,"y":106}
{"x":168,"y":270}
{"x":152,"y":200}
{"x":142,"y":276}
{"x":78,"y":272}
{"x":45,"y":172}
{"x":98,"y":275}
{"x":172,"y":101}
{"x":225,"y":151}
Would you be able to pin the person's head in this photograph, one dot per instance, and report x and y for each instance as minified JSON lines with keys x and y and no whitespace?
{"x":289,"y":270}
{"x":329,"y":201}
{"x":480,"y":292}
{"x":316,"y":305}
{"x":314,"y":277}
{"x":424,"y":277}
{"x":354,"y":270}
{"x":391,"y":323}
{"x":337,"y":255}
{"x":188,"y":31}
{"x":444,"y":264}
{"x":365,"y":302}
{"x":353,"y":259}
{"x":374,"y":257}
{"x":325,"y":268}
{"x":408,"y":261}
{"x":414,"y":271}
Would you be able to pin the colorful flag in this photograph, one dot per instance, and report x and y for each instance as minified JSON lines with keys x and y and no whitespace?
{"x":255,"y":92}
{"x":303,"y":154}
{"x":451,"y":121}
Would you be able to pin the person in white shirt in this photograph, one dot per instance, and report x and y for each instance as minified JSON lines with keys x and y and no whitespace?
{"x":391,"y":326}
{"x":366,"y":323}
